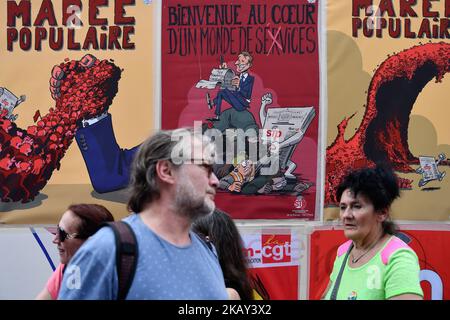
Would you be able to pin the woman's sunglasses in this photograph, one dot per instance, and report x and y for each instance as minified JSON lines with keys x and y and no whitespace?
{"x":63,"y":235}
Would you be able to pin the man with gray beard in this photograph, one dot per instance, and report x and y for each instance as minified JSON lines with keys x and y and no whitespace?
{"x":171,"y":184}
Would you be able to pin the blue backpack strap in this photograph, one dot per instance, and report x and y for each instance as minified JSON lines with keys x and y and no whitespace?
{"x":126,"y":255}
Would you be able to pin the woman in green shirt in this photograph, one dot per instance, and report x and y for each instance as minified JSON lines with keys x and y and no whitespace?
{"x":374,"y":264}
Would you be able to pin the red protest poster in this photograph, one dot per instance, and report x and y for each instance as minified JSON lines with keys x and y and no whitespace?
{"x":324,"y":245}
{"x":275,"y":283}
{"x":248,"y":66}
{"x":274,"y":258}
{"x":429,"y":245}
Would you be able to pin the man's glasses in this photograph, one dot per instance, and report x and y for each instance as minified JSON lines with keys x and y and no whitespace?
{"x":200,"y":163}
{"x":207,"y":167}
{"x":63,"y":235}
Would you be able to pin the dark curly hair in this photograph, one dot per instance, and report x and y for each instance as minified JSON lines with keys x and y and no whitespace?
{"x":379,"y":185}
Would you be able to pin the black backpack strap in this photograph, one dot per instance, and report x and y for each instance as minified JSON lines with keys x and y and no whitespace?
{"x":337,"y":282}
{"x":126,"y":255}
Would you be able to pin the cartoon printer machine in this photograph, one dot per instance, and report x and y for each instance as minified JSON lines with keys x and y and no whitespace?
{"x":9,"y":101}
{"x":429,"y":169}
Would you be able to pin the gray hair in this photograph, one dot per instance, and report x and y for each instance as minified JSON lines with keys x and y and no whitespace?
{"x":144,"y":187}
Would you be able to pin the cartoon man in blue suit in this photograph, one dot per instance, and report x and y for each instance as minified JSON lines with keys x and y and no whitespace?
{"x":237,"y":116}
{"x":108,"y":165}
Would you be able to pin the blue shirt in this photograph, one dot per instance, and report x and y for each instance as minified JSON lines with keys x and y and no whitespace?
{"x":164,"y":271}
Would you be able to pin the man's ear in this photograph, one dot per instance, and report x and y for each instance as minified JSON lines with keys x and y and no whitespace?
{"x":165,"y":171}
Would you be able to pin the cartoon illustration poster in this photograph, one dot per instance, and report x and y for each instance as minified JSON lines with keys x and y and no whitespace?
{"x":74,"y":75}
{"x":247,"y":74}
{"x":388,"y":94}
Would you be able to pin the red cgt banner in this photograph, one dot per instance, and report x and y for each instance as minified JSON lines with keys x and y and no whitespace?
{"x":275,"y":261}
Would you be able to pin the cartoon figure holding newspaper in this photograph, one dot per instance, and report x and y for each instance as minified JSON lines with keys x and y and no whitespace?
{"x":236,"y":90}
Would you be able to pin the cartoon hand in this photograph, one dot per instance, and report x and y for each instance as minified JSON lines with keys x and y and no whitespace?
{"x":55,"y":81}
{"x":88,"y":61}
{"x":84,"y":89}
{"x":266,"y":99}
{"x":223,"y":65}
{"x":6,"y":163}
{"x":37,"y":166}
{"x":441,"y":157}
{"x":245,"y":168}
{"x":235,"y":186}
{"x":235,"y":81}
{"x":274,"y":148}
{"x":22,"y":167}
{"x":58,"y":75}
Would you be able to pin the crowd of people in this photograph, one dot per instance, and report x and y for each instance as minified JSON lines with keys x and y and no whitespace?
{"x":186,"y":248}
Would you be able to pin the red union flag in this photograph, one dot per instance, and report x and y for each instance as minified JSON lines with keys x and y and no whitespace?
{"x":276,"y":248}
{"x":37,"y":115}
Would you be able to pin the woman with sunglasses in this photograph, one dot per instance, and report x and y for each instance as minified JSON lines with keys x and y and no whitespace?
{"x":77,"y":224}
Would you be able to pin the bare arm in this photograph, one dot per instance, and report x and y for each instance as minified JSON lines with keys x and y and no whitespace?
{"x":326,"y":291}
{"x":44,"y":295}
{"x":406,"y":296}
{"x":233,"y":294}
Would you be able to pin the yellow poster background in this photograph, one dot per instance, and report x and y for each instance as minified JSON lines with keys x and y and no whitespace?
{"x":351,"y":65}
{"x":28,"y":73}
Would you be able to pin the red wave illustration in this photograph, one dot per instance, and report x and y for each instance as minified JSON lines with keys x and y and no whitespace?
{"x":383,"y":133}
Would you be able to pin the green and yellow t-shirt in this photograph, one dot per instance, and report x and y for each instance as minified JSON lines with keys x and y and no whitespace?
{"x":394,"y":270}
